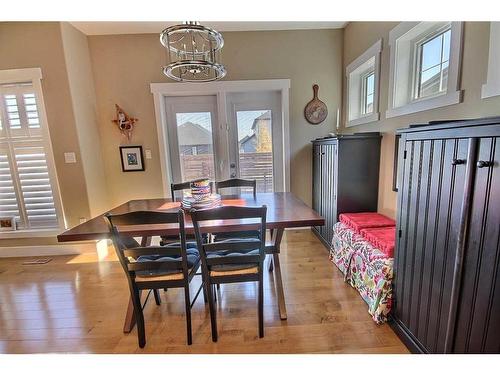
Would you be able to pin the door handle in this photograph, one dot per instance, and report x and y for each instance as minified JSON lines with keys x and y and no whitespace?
{"x":458,"y":161}
{"x":485,"y":163}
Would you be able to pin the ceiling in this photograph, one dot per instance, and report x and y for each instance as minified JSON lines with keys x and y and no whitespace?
{"x":104,"y":28}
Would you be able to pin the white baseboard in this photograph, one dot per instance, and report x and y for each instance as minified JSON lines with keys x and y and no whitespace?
{"x":298,"y":228}
{"x":31,"y":251}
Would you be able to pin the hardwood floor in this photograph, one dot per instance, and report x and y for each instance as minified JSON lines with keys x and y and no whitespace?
{"x":77,"y":304}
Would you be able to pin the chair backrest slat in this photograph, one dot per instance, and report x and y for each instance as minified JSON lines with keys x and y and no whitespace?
{"x":228,"y":213}
{"x":237,"y":259}
{"x":240,"y":245}
{"x":236,"y":182}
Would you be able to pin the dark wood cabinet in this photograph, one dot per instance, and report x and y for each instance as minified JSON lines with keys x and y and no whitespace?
{"x":345,"y":177}
{"x":446,"y":269}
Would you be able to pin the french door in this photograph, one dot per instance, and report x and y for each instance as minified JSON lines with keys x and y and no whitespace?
{"x":229,"y":135}
{"x":255,"y":138}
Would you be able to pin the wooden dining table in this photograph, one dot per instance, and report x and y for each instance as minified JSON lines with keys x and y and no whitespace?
{"x":284,"y":210}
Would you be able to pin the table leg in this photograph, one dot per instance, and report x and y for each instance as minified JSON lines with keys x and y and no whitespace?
{"x":129,"y":323}
{"x":277,"y":236}
{"x":270,"y":257}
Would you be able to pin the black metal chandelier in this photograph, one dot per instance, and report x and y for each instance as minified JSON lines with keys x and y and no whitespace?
{"x":193,"y":52}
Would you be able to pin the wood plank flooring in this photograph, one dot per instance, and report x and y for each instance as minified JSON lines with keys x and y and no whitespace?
{"x":76,"y":304}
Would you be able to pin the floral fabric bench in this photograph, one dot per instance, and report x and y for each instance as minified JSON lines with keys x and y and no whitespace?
{"x":366,"y":268}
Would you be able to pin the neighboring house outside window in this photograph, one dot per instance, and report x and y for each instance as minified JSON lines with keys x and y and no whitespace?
{"x":260,"y":140}
{"x":194,"y":139}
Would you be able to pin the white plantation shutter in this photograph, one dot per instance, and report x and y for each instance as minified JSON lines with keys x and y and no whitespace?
{"x":27,"y":183}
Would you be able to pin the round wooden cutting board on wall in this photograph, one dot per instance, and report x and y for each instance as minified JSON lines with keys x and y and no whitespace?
{"x":315,"y":111}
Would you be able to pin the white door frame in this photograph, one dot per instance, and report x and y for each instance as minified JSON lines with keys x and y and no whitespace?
{"x":162,"y":90}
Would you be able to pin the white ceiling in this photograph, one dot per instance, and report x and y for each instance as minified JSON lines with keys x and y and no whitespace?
{"x":104,"y":28}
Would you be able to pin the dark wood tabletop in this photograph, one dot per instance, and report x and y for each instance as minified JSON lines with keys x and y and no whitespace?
{"x":284,"y":210}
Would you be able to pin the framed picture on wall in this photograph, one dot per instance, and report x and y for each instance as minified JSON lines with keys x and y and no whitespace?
{"x":395,"y":182}
{"x":132,"y":160}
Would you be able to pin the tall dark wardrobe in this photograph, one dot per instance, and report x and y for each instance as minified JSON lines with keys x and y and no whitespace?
{"x":345,"y":177}
{"x":447,"y":259}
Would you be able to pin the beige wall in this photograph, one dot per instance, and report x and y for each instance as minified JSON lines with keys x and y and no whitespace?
{"x":81,"y":83}
{"x":125,"y":65}
{"x":358,"y":36}
{"x":37,"y":44}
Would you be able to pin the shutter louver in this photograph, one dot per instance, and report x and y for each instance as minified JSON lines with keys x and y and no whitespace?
{"x":26,"y":183}
{"x":8,"y":199}
{"x":35,"y":185}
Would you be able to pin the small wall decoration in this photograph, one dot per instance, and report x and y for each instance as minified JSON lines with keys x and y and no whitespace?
{"x":7,"y":223}
{"x":131,"y":157}
{"x":124,"y":122}
{"x":315,"y":111}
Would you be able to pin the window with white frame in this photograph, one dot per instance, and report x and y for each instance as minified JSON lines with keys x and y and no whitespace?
{"x":425,"y":66}
{"x":492,"y":85}
{"x":28,"y":184}
{"x":362,"y":87}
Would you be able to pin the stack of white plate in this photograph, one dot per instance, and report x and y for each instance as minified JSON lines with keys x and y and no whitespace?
{"x":211,"y":201}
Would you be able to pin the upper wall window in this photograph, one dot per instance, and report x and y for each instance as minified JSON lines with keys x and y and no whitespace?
{"x":492,"y":86}
{"x":425,"y":66}
{"x":362,"y":87}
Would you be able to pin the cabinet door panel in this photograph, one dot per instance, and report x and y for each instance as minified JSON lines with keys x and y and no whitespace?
{"x":317,"y":179}
{"x":432,"y":189}
{"x":478,"y":320}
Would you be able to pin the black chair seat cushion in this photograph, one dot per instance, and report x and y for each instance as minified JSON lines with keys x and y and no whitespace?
{"x":230,"y":252}
{"x":193,"y":258}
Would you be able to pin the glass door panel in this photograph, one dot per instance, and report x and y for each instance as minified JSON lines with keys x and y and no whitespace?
{"x":256,"y":139}
{"x":255,"y":148}
{"x":194,"y":135}
{"x":191,"y":128}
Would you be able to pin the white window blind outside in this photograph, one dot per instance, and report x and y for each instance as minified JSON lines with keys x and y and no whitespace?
{"x":27,"y":184}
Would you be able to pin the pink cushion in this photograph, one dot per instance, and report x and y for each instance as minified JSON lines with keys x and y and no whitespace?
{"x":382,"y":238}
{"x":361,"y":220}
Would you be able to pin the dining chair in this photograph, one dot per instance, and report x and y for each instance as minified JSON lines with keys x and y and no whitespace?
{"x":155,"y":267}
{"x":236,"y":182}
{"x":173,"y":189}
{"x":231,"y":260}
